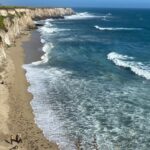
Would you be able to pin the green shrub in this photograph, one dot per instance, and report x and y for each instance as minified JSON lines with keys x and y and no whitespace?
{"x":2,"y":26}
{"x":12,"y":7}
{"x":0,"y":39}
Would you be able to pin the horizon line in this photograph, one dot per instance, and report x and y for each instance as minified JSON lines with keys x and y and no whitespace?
{"x":101,"y":7}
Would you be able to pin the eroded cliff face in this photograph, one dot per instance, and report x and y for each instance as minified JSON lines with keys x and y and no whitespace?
{"x":15,"y":21}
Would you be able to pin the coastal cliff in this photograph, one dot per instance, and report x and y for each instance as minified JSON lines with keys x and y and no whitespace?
{"x":15,"y":110}
{"x":13,"y":22}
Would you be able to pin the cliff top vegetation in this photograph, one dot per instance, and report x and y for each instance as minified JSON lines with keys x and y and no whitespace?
{"x":12,"y":7}
{"x":2,"y":26}
{"x":19,"y":7}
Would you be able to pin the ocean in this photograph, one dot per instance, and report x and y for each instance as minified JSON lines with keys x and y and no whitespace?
{"x":92,"y":85}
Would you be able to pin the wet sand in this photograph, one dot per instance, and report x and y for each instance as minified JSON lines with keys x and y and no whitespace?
{"x":33,"y":48}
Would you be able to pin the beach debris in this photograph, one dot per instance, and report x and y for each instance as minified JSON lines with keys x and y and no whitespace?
{"x":18,"y":138}
{"x":79,"y":143}
{"x":12,"y":139}
{"x":94,"y":143}
{"x":2,"y":82}
{"x":15,"y":147}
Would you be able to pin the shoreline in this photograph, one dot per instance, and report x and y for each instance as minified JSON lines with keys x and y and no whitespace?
{"x":33,"y":48}
{"x":21,"y":117}
{"x":16,"y":114}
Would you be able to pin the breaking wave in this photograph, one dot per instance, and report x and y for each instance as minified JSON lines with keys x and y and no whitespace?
{"x":46,"y":49}
{"x":42,"y":41}
{"x":45,"y":30}
{"x":48,"y":28}
{"x":128,"y":62}
{"x":83,"y":15}
{"x":115,"y":29}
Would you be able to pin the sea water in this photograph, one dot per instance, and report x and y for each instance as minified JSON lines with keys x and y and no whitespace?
{"x":93,"y":82}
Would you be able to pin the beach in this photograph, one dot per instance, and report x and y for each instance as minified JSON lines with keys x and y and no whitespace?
{"x":90,"y":88}
{"x":16,"y":112}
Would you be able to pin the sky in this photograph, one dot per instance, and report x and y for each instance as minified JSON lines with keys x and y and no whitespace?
{"x":81,"y":3}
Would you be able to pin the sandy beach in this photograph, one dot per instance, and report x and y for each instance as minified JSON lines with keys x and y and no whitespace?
{"x":15,"y":110}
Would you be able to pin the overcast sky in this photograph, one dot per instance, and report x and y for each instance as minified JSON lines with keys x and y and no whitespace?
{"x":80,"y":3}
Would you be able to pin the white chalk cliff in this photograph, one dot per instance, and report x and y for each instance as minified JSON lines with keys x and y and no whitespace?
{"x":18,"y":20}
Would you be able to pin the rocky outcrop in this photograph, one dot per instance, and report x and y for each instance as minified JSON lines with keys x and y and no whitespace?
{"x":14,"y":22}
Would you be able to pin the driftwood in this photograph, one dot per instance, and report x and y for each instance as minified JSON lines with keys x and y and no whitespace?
{"x":93,"y":144}
{"x":15,"y":147}
{"x":79,"y":143}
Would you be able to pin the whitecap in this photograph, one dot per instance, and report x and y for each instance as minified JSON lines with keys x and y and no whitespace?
{"x":49,"y":30}
{"x":83,"y":15}
{"x":115,"y":28}
{"x":128,"y":62}
{"x":109,"y":14}
{"x":42,"y":41}
{"x":48,"y":24}
{"x":45,"y":30}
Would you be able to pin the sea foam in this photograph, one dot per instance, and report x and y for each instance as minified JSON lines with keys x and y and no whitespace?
{"x":128,"y":62}
{"x":87,"y":15}
{"x":45,"y":117}
{"x":47,"y":29}
{"x":115,"y":28}
{"x":83,"y":15}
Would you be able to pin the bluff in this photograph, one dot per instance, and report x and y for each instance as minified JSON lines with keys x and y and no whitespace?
{"x":14,"y":21}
